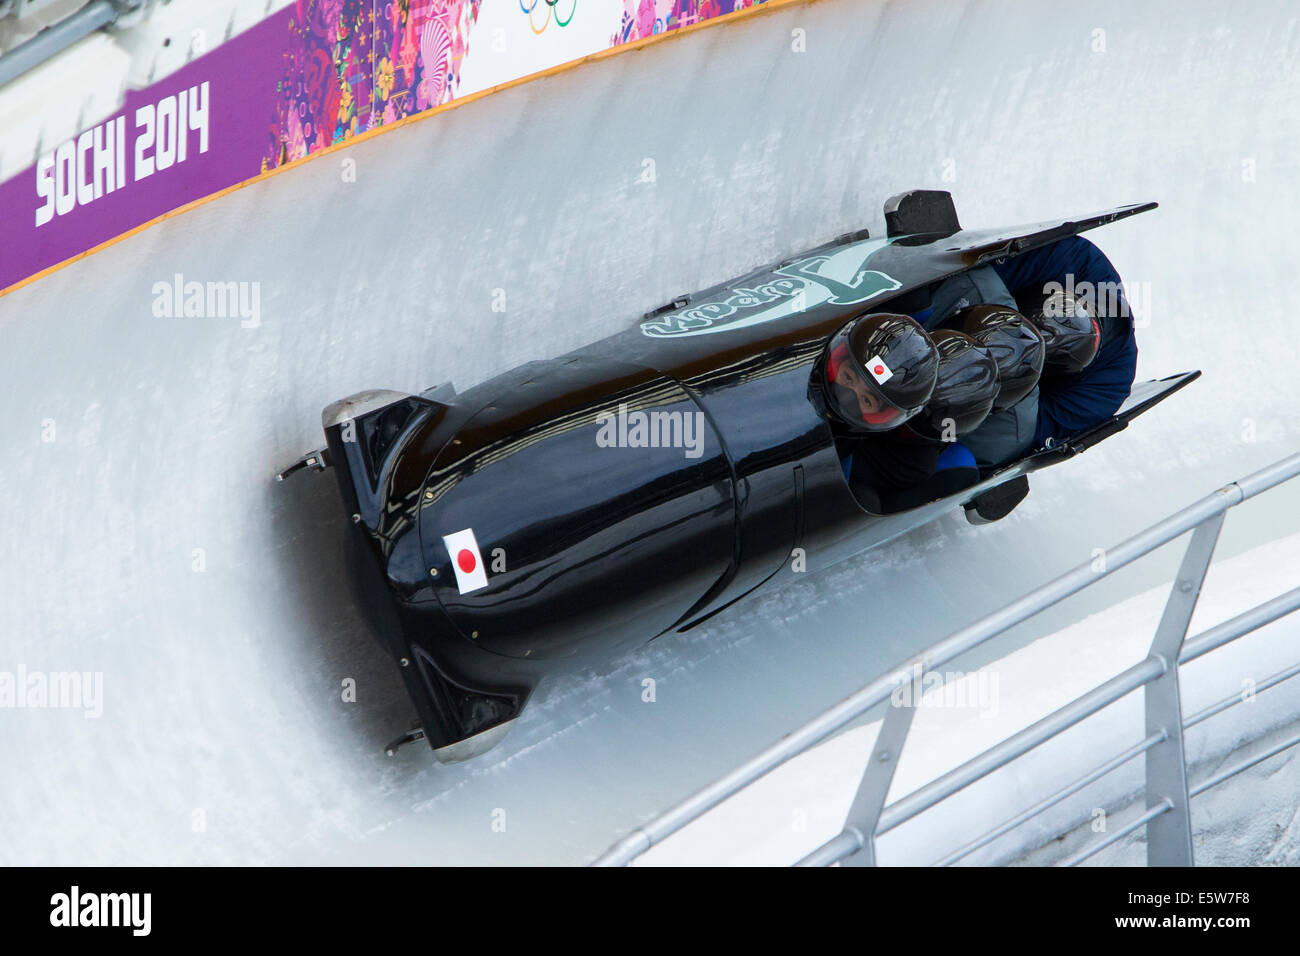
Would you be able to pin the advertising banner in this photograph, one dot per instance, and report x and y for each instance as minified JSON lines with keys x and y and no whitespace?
{"x":314,"y":75}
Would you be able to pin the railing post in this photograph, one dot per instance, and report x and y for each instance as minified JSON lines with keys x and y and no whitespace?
{"x":864,"y":814}
{"x":1169,"y":835}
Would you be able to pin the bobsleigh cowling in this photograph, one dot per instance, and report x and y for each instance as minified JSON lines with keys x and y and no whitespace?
{"x":575,"y":508}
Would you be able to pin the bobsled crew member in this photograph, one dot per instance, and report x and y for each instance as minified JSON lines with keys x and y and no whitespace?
{"x":899,"y":399}
{"x":1015,"y":360}
{"x":1090,"y":350}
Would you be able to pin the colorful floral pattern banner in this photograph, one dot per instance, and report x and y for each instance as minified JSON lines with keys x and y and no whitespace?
{"x":352,"y":65}
{"x":313,"y":75}
{"x":643,"y":18}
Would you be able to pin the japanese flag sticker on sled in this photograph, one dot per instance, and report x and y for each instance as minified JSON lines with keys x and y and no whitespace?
{"x":878,"y":370}
{"x":466,"y":560}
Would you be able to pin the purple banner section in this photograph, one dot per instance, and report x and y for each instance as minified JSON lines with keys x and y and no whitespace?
{"x":198,"y":131}
{"x":313,"y":75}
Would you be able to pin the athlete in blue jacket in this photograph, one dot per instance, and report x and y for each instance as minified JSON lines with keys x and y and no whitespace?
{"x":1065,"y":402}
{"x":1068,"y":405}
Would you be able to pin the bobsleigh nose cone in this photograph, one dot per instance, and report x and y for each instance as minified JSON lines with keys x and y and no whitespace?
{"x":359,"y":404}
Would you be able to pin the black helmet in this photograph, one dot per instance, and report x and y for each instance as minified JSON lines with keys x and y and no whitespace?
{"x":1017,"y":346}
{"x":1068,"y":324}
{"x":965,"y":391}
{"x":880,"y":371}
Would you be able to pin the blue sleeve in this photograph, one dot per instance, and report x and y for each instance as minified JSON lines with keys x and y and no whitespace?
{"x":1095,"y":394}
{"x":1090,"y":397}
{"x":1073,"y":262}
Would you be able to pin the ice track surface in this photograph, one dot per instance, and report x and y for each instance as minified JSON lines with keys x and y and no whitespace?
{"x":224,"y":738}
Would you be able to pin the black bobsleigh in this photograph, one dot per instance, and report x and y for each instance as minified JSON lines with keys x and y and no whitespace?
{"x":575,"y":508}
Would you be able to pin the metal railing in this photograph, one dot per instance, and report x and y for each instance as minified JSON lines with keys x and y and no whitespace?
{"x":57,"y":38}
{"x":1167,"y":817}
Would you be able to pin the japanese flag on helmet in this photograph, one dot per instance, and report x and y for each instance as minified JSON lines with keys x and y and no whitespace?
{"x":466,"y":560}
{"x":878,"y":370}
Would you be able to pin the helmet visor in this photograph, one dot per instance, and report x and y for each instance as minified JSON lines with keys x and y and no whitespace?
{"x":854,"y":392}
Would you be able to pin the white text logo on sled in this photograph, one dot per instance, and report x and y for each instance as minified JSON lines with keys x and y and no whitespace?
{"x":838,"y":278}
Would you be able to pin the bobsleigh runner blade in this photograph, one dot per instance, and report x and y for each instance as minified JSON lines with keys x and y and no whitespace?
{"x":316,"y":460}
{"x":412,"y":735}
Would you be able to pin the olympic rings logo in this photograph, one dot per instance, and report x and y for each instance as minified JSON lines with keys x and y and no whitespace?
{"x":552,"y":7}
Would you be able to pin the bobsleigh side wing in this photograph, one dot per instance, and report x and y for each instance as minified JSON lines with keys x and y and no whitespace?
{"x":1024,"y":238}
{"x":1144,"y":397}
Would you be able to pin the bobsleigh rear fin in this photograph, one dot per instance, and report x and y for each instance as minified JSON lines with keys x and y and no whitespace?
{"x":1148,"y":394}
{"x":1143,"y":397}
{"x":1046,"y":234}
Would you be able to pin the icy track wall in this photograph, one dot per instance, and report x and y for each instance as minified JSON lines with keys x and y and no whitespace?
{"x":314,"y":75}
{"x":146,"y":540}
